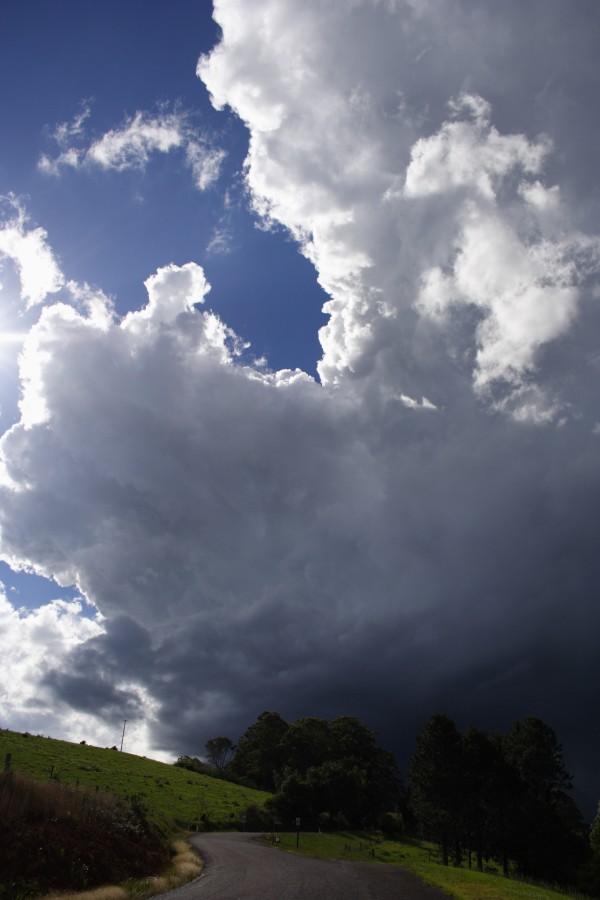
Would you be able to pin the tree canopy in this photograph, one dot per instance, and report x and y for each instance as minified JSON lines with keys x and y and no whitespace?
{"x":502,"y":795}
{"x":318,"y":770}
{"x":258,"y":757}
{"x":219,"y":751}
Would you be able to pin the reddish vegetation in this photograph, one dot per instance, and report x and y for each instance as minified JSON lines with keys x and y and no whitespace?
{"x":56,"y":837}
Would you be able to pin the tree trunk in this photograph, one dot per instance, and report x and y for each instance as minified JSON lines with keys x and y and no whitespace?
{"x":444,"y":848}
{"x":457,"y":853}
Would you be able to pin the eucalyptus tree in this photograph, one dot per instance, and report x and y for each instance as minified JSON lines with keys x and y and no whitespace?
{"x":219,"y":752}
{"x":258,"y":757}
{"x":435,"y":775}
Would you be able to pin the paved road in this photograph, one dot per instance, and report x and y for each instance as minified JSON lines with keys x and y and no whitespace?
{"x":237,"y":867}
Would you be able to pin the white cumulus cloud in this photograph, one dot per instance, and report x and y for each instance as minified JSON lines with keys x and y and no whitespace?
{"x":395,"y":220}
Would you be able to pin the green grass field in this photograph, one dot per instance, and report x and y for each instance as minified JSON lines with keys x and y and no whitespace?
{"x":179,"y":798}
{"x":421,"y":859}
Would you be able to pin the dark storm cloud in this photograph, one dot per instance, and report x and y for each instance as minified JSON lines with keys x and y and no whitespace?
{"x":90,"y":695}
{"x":471,"y":590}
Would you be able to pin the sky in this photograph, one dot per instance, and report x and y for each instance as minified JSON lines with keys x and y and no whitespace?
{"x":299,"y":365}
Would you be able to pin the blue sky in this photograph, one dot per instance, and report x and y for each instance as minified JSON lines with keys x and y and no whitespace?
{"x":113,"y":230}
{"x":369,"y":454}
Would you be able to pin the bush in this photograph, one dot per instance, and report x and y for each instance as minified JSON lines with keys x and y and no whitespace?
{"x":257,"y":818}
{"x":64,"y":838}
{"x":392,"y":824}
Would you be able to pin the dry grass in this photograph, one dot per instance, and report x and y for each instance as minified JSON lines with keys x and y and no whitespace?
{"x":185,"y":866}
{"x":103,"y":893}
{"x":186,"y":862}
{"x":24,"y":799}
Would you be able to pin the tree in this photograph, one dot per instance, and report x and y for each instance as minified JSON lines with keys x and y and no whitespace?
{"x":504,"y":794}
{"x":340,"y":791}
{"x":335,"y":772}
{"x":193,"y":764}
{"x":434,"y":774}
{"x":549,"y":840}
{"x":589,"y":874}
{"x":306,"y":744}
{"x":295,"y":798}
{"x":258,"y":756}
{"x":478,"y":764}
{"x":386,"y":790}
{"x":219,"y":751}
{"x":351,"y":739}
{"x":503,"y":799}
{"x":595,"y":834}
{"x":532,"y":748}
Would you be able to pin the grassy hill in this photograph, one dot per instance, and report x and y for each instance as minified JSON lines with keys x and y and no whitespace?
{"x":178,"y":797}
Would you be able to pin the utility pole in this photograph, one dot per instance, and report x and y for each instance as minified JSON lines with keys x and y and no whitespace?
{"x":123,"y":735}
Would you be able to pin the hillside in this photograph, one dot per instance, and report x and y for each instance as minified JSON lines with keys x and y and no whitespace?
{"x":179,"y":798}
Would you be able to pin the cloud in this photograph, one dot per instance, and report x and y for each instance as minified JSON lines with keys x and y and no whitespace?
{"x":66,"y":132}
{"x":129,"y":147}
{"x":28,"y":249}
{"x":469,"y":153}
{"x":418,"y":530}
{"x":220,"y":241}
{"x":395,"y":222}
{"x":33,"y":641}
{"x":132,"y":144}
{"x":205,"y":163}
{"x":253,"y":538}
{"x":30,"y":276}
{"x":521,"y":270}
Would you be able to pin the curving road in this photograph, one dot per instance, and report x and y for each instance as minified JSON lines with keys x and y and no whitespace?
{"x":237,"y":867}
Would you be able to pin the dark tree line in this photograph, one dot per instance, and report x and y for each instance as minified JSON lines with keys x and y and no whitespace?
{"x":481,"y":796}
{"x":326,"y":773}
{"x":496,"y":796}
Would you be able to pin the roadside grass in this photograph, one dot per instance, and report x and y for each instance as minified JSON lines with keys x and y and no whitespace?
{"x":185,"y":865}
{"x":180,"y":799}
{"x":420,"y":858}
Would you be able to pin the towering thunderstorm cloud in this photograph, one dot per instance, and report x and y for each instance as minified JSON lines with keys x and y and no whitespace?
{"x":415,"y":530}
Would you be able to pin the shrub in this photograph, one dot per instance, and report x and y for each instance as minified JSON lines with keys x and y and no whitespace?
{"x":392,"y":824}
{"x":64,"y":838}
{"x":257,"y":818}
